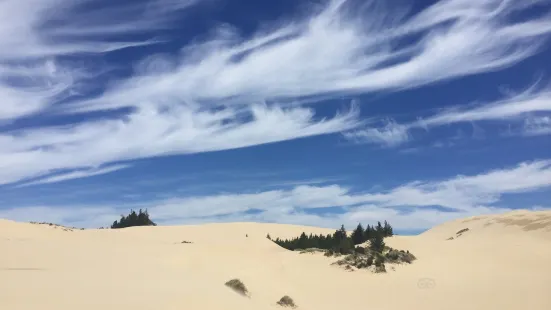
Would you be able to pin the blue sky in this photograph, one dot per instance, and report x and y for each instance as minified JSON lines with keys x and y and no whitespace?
{"x":304,"y":112}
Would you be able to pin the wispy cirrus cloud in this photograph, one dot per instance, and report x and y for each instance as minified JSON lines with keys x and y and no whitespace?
{"x":390,"y":135}
{"x":340,"y":49}
{"x":210,"y":96}
{"x":515,"y":107}
{"x":536,"y":126}
{"x":178,"y":130}
{"x":409,"y":206}
{"x":75,"y":175}
{"x":528,"y":108}
{"x":35,"y":34}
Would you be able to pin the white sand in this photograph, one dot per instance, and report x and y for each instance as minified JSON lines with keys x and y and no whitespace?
{"x":502,"y":262}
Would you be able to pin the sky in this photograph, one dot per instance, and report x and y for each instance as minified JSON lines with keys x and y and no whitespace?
{"x":320,"y":113}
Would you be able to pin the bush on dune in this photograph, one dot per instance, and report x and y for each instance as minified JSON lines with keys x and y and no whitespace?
{"x":340,"y":242}
{"x":287,"y":301}
{"x":364,"y":248}
{"x":134,"y":219}
{"x":237,"y":286}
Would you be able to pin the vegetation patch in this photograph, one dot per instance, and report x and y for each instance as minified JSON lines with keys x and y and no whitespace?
{"x":287,"y":301}
{"x":134,"y":219}
{"x":399,"y":256}
{"x":312,"y":251}
{"x":64,"y":228}
{"x":339,"y":242}
{"x":363,"y":249}
{"x":378,"y":269}
{"x":238,"y":286}
{"x":459,"y":234}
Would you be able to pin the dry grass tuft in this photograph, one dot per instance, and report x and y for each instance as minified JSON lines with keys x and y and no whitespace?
{"x":287,"y":301}
{"x":238,"y":286}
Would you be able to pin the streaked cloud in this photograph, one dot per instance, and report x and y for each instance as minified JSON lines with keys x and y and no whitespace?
{"x":339,"y":49}
{"x":35,"y":33}
{"x":391,"y":134}
{"x":536,"y":126}
{"x":409,"y":206}
{"x":178,"y":130}
{"x":512,"y":108}
{"x":228,"y":91}
{"x":76,"y":175}
{"x":528,"y":107}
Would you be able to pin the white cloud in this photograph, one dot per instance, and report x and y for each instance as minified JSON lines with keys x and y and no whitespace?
{"x":151,"y":132}
{"x":536,"y":126}
{"x":34,"y":33}
{"x":206,"y":97}
{"x":541,"y":208}
{"x":529,"y":106}
{"x":469,"y":195}
{"x":76,"y":175}
{"x":523,"y":106}
{"x":338,"y":50}
{"x":511,"y":108}
{"x":391,"y":134}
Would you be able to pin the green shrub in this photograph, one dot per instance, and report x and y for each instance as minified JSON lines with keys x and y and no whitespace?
{"x":380,"y":269}
{"x":393,"y":255}
{"x":379,"y":261}
{"x":369,"y":261}
{"x":377,"y":243}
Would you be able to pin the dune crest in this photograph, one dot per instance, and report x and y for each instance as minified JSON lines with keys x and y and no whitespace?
{"x":523,"y":223}
{"x":500,"y":262}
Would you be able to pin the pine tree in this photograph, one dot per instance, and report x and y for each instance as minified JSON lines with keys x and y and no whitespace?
{"x":340,"y":234}
{"x":134,"y":219}
{"x":339,"y":241}
{"x":358,"y":235}
{"x":377,"y":242}
{"x":302,"y":241}
{"x":346,"y":246}
{"x":387,"y":230}
{"x":368,"y":234}
{"x":379,"y":228}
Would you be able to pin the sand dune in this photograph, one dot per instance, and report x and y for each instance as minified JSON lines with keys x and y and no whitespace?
{"x":501,"y":262}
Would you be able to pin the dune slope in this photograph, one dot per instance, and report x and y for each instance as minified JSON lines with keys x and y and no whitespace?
{"x":501,"y":262}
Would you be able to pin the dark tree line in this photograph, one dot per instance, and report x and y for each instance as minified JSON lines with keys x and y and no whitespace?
{"x":134,"y":219}
{"x":339,"y":241}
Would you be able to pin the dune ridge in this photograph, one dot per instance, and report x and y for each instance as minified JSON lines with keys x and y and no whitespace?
{"x":500,"y":262}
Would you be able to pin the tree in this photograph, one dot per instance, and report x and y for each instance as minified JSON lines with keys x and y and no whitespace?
{"x":339,"y":241}
{"x":368,"y":233}
{"x":134,"y":219}
{"x":377,"y":242}
{"x":387,"y":229}
{"x":340,"y":234}
{"x":302,"y":241}
{"x":346,"y":246}
{"x":358,"y":235}
{"x":379,"y":228}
